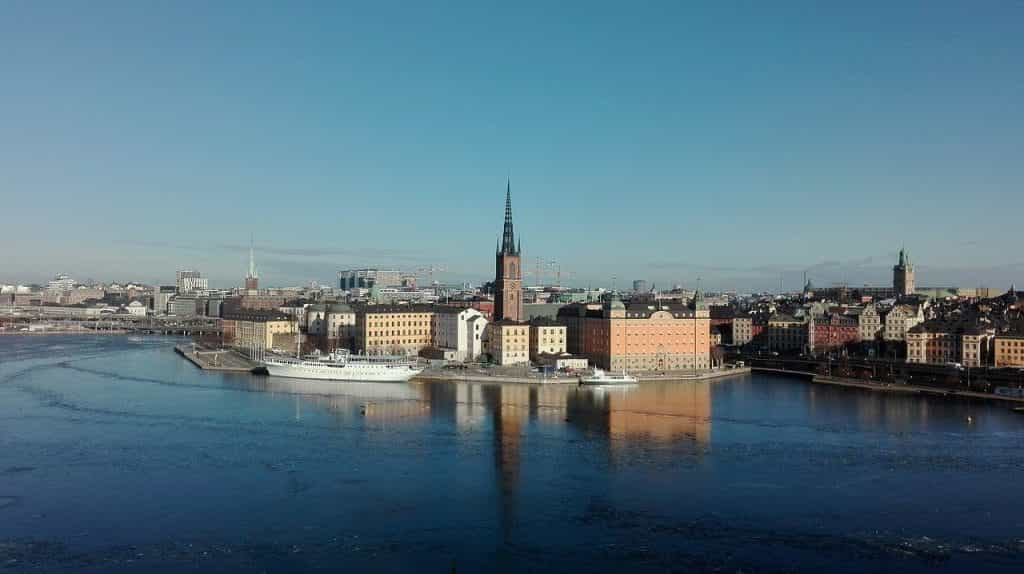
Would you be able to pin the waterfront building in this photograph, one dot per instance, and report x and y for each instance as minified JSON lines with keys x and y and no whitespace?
{"x":937,"y":341}
{"x":459,"y":332}
{"x":393,"y":329}
{"x":833,"y":331}
{"x":639,"y":336}
{"x":508,"y":278}
{"x":786,"y":333}
{"x":900,"y":319}
{"x":190,"y":281}
{"x":508,"y":342}
{"x":1008,"y":350}
{"x":349,"y":279}
{"x":335,"y":322}
{"x":976,"y":345}
{"x":547,"y":337}
{"x":903,"y":275}
{"x":256,"y":332}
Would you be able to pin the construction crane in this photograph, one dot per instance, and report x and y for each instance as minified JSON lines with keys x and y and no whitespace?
{"x":430,"y":270}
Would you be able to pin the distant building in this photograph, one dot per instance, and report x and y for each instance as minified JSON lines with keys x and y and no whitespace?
{"x":871,"y":323}
{"x":938,"y":341}
{"x":136,"y":309}
{"x":349,"y":279}
{"x":901,"y":319}
{"x":640,"y":285}
{"x":903,"y":275}
{"x":190,"y":281}
{"x":60,"y":283}
{"x":161,"y":297}
{"x":787,"y":333}
{"x":833,"y":331}
{"x":742,"y":330}
{"x":252,"y":278}
{"x":1008,"y":350}
{"x":508,"y":273}
{"x":976,"y":345}
{"x":185,"y":306}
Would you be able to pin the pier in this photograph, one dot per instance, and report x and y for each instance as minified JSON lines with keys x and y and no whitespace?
{"x":224,"y":360}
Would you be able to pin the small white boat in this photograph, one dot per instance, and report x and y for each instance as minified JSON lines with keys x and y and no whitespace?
{"x":601,"y":377}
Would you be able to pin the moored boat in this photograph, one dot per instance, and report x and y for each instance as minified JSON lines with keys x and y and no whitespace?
{"x":602,"y":377}
{"x":343,"y":366}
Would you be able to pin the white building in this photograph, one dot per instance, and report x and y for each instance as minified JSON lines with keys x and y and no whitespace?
{"x":136,"y":309}
{"x":900,"y":320}
{"x":460,"y":330}
{"x":871,"y":323}
{"x":60,"y":283}
{"x":190,"y":281}
{"x":336,"y":321}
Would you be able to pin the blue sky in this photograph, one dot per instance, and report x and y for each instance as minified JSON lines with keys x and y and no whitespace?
{"x":736,"y":141}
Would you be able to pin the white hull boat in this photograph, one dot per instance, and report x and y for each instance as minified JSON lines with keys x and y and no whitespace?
{"x":603,"y":378}
{"x":341,"y":366}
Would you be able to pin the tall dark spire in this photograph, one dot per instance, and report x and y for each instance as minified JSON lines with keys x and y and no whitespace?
{"x":508,"y":236}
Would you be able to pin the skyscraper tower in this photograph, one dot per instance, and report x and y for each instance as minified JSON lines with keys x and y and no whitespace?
{"x":252,"y":279}
{"x":508,"y":271}
{"x":903,"y":275}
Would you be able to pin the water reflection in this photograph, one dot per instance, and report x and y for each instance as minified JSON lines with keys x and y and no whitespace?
{"x":615,"y":419}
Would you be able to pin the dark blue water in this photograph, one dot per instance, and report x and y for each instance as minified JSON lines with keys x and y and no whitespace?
{"x":117,"y":455}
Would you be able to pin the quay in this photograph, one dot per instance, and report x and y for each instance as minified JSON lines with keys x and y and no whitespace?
{"x":217,"y":360}
{"x":489,"y":376}
{"x":887,"y":387}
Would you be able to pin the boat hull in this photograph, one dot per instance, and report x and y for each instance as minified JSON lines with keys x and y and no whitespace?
{"x":356,"y":373}
{"x":608,"y":383}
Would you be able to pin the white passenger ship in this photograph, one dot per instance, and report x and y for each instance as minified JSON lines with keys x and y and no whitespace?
{"x":343,"y":366}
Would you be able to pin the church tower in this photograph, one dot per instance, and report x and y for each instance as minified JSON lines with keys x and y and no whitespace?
{"x":903,"y":275}
{"x":508,"y":271}
{"x":252,"y":279}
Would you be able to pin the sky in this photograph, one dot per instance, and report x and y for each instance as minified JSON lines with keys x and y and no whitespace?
{"x":742,"y":143}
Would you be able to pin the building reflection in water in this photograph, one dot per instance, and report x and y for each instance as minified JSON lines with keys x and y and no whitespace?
{"x":669,"y":414}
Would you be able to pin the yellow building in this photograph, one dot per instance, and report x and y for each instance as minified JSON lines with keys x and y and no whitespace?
{"x":393,"y":329}
{"x":546,"y":338}
{"x":257,"y":332}
{"x":1008,"y":350}
{"x":508,"y":342}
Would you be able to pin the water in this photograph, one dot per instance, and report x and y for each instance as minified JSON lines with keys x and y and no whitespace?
{"x":118,"y":455}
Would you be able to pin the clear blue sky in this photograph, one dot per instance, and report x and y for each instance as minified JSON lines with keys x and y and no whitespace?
{"x":735,"y":141}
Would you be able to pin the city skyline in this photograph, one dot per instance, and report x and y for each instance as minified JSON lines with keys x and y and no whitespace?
{"x":146,"y":139}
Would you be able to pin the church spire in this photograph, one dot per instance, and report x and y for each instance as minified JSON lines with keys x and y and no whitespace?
{"x":508,"y":236}
{"x":252,"y":258}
